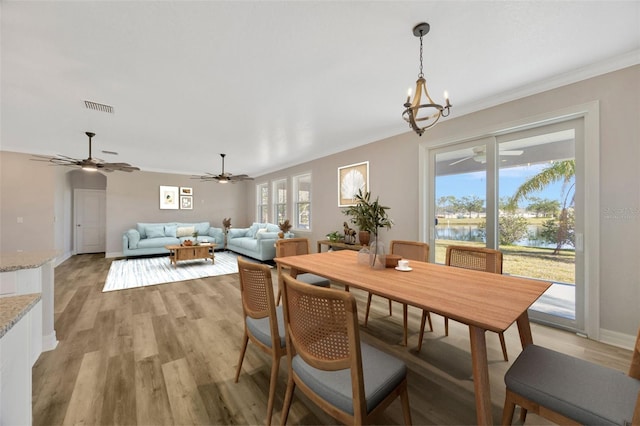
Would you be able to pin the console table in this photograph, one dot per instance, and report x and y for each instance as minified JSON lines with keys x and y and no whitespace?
{"x":338,"y":245}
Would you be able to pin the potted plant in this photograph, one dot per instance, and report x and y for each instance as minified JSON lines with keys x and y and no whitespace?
{"x":334,"y":236}
{"x":370,"y":216}
{"x":284,"y":228}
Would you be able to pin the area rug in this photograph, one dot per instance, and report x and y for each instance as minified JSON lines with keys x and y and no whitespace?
{"x":140,"y":272}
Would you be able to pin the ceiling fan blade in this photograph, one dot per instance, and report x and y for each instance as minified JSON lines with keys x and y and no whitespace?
{"x":461,"y":160}
{"x":512,"y":152}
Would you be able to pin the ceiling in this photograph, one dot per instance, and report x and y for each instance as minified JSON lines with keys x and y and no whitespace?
{"x":274,"y":83}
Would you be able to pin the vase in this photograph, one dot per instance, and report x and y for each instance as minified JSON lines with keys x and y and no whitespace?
{"x":364,"y":237}
{"x":377,"y":254}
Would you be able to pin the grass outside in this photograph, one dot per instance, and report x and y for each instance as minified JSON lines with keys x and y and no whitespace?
{"x":532,"y":262}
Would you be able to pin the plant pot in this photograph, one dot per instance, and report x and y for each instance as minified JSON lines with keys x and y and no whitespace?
{"x":364,"y":237}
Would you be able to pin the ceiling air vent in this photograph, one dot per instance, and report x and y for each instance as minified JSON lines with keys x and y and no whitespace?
{"x":98,"y":107}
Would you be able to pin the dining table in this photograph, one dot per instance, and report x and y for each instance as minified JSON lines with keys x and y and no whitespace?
{"x":481,"y":300}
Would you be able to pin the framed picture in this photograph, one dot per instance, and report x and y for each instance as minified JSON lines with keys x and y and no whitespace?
{"x":169,"y":197}
{"x":185,"y":190}
{"x":186,"y":202}
{"x":351,"y":179}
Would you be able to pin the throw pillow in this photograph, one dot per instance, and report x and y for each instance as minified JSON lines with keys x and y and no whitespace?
{"x":185,"y":231}
{"x":252,"y":230}
{"x":134,"y":238}
{"x":155,"y":231}
{"x":170,"y":230}
{"x":202,"y":228}
{"x":260,"y":231}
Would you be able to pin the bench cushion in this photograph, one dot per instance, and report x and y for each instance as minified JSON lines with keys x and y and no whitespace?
{"x":583,"y":391}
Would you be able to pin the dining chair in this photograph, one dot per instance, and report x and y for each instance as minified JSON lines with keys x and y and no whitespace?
{"x":349,"y":379}
{"x":411,"y":250}
{"x":567,"y":390}
{"x":294,"y":247}
{"x":263,"y":321}
{"x":476,"y":258}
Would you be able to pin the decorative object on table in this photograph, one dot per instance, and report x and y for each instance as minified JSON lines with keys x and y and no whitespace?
{"x":416,"y":112}
{"x":391,"y":261}
{"x":195,"y":238}
{"x":186,"y":202}
{"x":222,"y":177}
{"x":185,"y":190}
{"x":371,"y":216}
{"x":351,"y":179}
{"x":284,"y":228}
{"x":169,"y":197}
{"x":187,"y":243}
{"x":334,"y":236}
{"x":349,"y":234}
{"x":89,"y":164}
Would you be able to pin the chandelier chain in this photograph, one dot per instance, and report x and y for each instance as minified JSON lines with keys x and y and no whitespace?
{"x":421,"y":73}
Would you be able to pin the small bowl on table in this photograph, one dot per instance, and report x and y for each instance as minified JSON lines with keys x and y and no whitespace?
{"x":391,"y":260}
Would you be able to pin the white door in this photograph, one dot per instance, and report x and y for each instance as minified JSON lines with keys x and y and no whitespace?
{"x":89,"y":207}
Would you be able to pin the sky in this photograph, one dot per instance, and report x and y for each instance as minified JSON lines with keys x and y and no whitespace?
{"x":510,"y":179}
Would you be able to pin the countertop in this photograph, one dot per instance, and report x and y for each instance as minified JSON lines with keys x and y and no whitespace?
{"x":13,"y":308}
{"x":25,"y":260}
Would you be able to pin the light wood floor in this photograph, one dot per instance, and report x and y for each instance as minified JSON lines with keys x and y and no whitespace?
{"x":167,"y":354}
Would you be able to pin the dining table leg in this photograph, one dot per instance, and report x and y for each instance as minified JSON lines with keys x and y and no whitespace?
{"x":480,"y":364}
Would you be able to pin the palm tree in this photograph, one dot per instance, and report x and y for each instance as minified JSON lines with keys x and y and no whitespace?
{"x":558,"y":171}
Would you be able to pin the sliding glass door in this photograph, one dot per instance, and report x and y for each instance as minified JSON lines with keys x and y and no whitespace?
{"x":522,"y":193}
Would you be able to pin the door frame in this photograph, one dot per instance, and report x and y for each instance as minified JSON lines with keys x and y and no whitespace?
{"x":589,"y":243}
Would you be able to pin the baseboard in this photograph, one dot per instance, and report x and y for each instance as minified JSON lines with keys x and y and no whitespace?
{"x":113,"y":254}
{"x":49,"y":342}
{"x":614,"y":338}
{"x":61,"y":259}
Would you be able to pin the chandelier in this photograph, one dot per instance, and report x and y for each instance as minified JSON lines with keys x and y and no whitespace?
{"x":423,"y":115}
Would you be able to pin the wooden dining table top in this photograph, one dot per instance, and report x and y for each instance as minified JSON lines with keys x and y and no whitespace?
{"x":481,"y":299}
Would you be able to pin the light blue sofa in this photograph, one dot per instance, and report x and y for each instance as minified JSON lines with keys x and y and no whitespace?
{"x":258,"y":241}
{"x":150,"y":238}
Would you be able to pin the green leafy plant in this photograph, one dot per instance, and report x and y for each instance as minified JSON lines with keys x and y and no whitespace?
{"x":368,"y":215}
{"x":334,"y":236}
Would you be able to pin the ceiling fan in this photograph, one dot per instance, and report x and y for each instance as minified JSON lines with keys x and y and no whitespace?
{"x":480,"y":155}
{"x":89,"y":164}
{"x":223,"y":177}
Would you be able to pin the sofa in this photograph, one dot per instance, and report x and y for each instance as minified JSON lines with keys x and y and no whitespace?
{"x":257,"y":241}
{"x":150,"y":238}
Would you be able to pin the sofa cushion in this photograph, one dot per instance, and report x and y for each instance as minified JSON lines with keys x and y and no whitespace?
{"x":134,"y":238}
{"x":253,"y":230}
{"x":170,"y":230}
{"x":202,"y":228}
{"x":270,"y":227}
{"x":259,"y":232}
{"x":157,"y":242}
{"x":155,"y":231}
{"x":185,"y":231}
{"x":263,"y":234}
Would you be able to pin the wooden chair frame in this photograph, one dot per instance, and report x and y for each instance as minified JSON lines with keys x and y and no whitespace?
{"x":476,"y":258}
{"x":345,"y":355}
{"x":289,"y":247}
{"x":256,"y":289}
{"x":512,"y":399}
{"x":412,"y":250}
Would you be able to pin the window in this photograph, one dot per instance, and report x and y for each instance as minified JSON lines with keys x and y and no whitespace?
{"x":280,"y":200}
{"x":302,"y":201}
{"x":262,"y":193}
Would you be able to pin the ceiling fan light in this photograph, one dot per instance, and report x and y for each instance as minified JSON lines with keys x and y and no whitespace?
{"x":89,"y":168}
{"x":223,"y":180}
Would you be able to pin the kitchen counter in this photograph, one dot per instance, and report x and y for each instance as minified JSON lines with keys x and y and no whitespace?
{"x":13,"y":308}
{"x":14,"y":261}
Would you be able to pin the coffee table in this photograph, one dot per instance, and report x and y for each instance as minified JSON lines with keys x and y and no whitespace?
{"x":201,"y":251}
